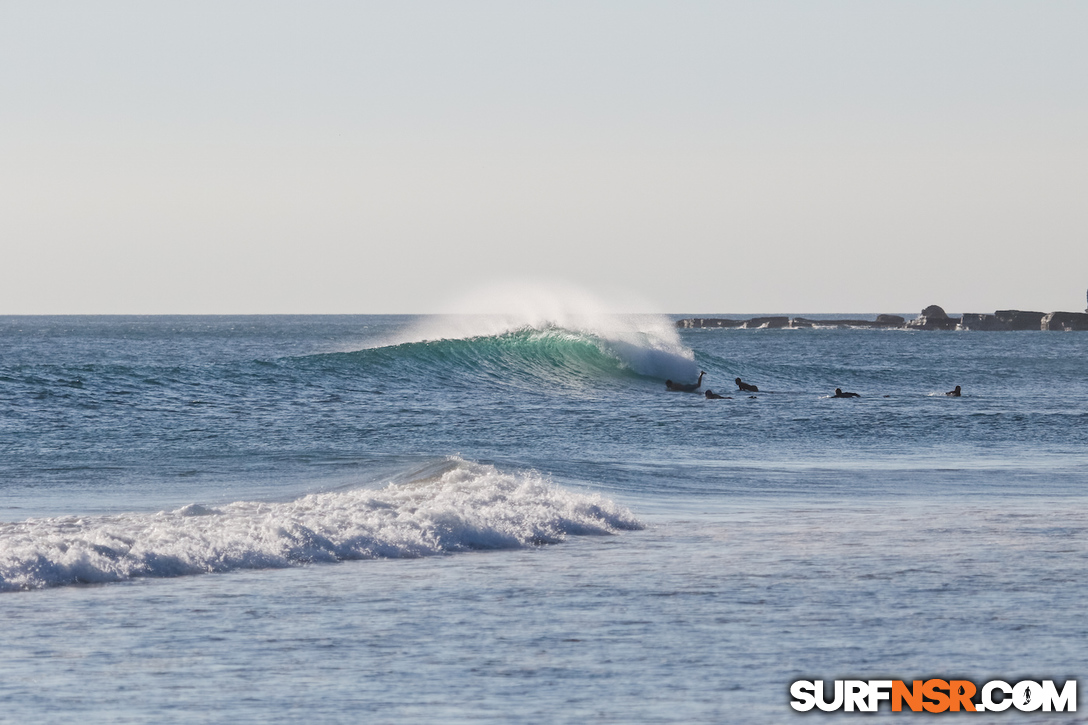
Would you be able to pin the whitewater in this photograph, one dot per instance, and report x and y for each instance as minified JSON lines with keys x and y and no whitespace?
{"x":466,"y":518}
{"x":465,"y":507}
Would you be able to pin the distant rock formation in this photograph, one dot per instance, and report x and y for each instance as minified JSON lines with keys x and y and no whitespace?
{"x":1002,"y":321}
{"x":768,"y":322}
{"x":881,"y":321}
{"x":782,"y":321}
{"x":933,"y":318}
{"x":700,"y":322}
{"x":980,"y":322}
{"x":1065,"y":321}
{"x":1019,"y":320}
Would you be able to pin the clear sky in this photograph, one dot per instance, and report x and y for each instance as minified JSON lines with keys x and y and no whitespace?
{"x":371,"y":157}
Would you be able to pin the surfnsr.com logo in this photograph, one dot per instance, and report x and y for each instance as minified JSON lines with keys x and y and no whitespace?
{"x":935,"y":696}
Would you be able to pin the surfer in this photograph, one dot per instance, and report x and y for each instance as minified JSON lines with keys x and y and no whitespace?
{"x":686,"y":387}
{"x":954,"y":393}
{"x":840,"y":394}
{"x":711,"y":395}
{"x":745,"y":387}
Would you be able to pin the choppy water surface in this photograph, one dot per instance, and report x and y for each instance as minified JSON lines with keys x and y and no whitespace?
{"x":398,"y":519}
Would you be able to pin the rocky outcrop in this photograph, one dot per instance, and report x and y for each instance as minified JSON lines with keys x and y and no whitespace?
{"x":933,"y":318}
{"x":768,"y":322}
{"x":781,"y":321}
{"x":1065,"y":321}
{"x":980,"y":322}
{"x":888,"y":321}
{"x":1020,"y":320}
{"x":712,"y":322}
{"x":1001,"y":321}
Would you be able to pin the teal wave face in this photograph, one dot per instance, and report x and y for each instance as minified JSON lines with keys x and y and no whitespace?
{"x":554,"y":356}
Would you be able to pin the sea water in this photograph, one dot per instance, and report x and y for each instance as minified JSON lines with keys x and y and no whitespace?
{"x":509,"y":519}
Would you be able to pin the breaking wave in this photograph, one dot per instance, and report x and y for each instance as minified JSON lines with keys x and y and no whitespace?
{"x":457,"y":506}
{"x":556,"y":355}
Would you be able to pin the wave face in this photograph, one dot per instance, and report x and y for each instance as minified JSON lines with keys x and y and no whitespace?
{"x":564,"y":351}
{"x":457,"y":506}
{"x":553,"y":355}
{"x":547,"y":331}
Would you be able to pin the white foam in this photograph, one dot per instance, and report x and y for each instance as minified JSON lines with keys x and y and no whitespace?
{"x":464,"y":507}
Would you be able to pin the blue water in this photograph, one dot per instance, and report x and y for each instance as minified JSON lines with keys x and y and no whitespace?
{"x":404,"y":519}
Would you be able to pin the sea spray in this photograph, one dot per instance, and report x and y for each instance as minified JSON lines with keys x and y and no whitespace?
{"x":647,"y":344}
{"x":463,"y":506}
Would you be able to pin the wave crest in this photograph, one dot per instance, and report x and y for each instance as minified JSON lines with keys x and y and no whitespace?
{"x":552,"y":354}
{"x":463,"y":506}
{"x":563,"y":323}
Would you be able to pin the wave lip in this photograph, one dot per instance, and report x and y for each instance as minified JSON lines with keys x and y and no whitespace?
{"x":464,"y":506}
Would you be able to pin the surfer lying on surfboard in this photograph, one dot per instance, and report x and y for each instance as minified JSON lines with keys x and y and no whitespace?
{"x":686,"y":387}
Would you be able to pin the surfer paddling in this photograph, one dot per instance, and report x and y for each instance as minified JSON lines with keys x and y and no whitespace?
{"x":711,"y":395}
{"x":840,"y":394}
{"x":954,"y":393}
{"x":686,"y":387}
{"x":745,"y":387}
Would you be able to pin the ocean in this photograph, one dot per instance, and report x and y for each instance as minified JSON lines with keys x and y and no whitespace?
{"x":390,"y":519}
